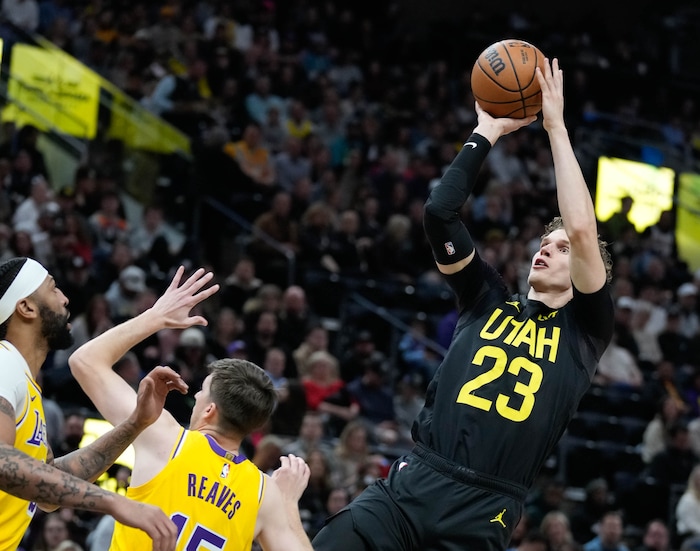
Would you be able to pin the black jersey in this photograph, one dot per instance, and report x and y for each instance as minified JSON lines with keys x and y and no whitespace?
{"x":513,"y":376}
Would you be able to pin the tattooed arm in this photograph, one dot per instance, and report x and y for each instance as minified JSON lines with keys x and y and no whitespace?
{"x":27,"y":478}
{"x":91,"y":461}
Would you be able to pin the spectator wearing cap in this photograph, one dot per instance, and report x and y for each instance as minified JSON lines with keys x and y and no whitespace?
{"x":687,"y":295}
{"x":191,"y":358}
{"x":123,"y":293}
{"x":237,"y":349}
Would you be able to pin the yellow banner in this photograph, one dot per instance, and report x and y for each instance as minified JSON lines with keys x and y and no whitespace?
{"x":51,"y":90}
{"x":140,"y":129}
{"x":688,"y":219}
{"x":650,"y":187}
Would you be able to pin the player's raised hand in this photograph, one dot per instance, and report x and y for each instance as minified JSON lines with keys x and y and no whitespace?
{"x":152,"y":392}
{"x":179,"y":298}
{"x":551,"y":81}
{"x":292,"y":477}
{"x":148,"y":518}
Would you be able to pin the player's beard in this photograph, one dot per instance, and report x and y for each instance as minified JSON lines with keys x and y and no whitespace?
{"x":54,"y":328}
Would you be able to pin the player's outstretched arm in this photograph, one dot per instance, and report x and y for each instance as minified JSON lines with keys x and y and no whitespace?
{"x":91,"y":364}
{"x":574,"y":198}
{"x":278,"y":519}
{"x":450,"y":241}
{"x":91,"y":461}
{"x":25,"y":477}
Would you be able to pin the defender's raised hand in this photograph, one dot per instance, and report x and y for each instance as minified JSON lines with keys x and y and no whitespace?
{"x":153,"y":390}
{"x":178,"y":300}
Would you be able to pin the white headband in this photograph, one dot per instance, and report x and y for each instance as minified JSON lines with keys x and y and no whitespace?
{"x":28,"y":280}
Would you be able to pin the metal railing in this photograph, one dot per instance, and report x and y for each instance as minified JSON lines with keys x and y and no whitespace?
{"x":250,"y":229}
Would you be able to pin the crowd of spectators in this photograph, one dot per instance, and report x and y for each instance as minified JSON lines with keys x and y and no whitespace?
{"x":325,"y":126}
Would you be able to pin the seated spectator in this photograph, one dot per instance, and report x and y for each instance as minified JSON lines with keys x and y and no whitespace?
{"x":150,"y":242}
{"x":351,"y":452}
{"x":26,"y":215}
{"x":416,"y":355}
{"x":315,"y":231}
{"x":687,"y":510}
{"x":687,"y":295}
{"x":240,"y":285}
{"x":374,"y":394}
{"x":610,"y":534}
{"x":107,"y":224}
{"x":347,"y":248}
{"x":260,"y":100}
{"x":409,"y":400}
{"x":123,"y":293}
{"x":226,"y":328}
{"x":674,"y":464}
{"x":665,"y":381}
{"x":129,"y":369}
{"x":675,"y":345}
{"x":618,"y":367}
{"x":291,"y":164}
{"x":180,"y":101}
{"x":534,"y":540}
{"x":362,"y":351}
{"x":550,"y":497}
{"x":556,"y":528}
{"x":312,"y":503}
{"x":267,"y":453}
{"x":311,"y":437}
{"x":588,"y":512}
{"x":327,"y":393}
{"x":53,"y":532}
{"x":253,"y":156}
{"x":262,"y":335}
{"x":296,"y":316}
{"x":656,"y":537}
{"x":316,"y":339}
{"x":655,"y":437}
{"x":276,"y":223}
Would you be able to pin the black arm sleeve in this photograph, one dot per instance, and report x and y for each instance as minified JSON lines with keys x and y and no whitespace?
{"x":443,"y":226}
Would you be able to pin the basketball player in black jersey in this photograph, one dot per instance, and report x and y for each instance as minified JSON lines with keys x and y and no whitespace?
{"x":513,"y":375}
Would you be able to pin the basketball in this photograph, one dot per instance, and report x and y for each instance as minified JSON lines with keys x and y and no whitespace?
{"x":504,"y":82}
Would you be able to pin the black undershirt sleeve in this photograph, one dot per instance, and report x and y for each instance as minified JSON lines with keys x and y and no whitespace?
{"x":443,"y":226}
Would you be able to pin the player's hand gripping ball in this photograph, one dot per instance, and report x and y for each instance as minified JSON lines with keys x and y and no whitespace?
{"x":503,"y":79}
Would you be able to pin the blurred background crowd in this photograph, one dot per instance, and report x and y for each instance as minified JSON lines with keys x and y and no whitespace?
{"x":317,"y":130}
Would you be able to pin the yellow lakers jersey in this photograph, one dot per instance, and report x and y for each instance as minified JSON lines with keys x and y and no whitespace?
{"x":20,"y":389}
{"x":211,"y":495}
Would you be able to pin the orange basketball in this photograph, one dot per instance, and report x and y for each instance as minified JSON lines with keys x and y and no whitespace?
{"x":503,"y":79}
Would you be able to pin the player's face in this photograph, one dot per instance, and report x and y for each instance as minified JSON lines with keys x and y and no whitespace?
{"x":54,"y":316}
{"x":550,"y":269}
{"x":201,"y":401}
